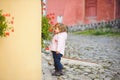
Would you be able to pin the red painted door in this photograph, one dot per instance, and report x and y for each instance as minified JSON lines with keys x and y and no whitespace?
{"x":118,"y":9}
{"x":91,"y":8}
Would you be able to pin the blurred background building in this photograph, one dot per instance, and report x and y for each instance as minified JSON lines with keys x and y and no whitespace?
{"x":72,"y":12}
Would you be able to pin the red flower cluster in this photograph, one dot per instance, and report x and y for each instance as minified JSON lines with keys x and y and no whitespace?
{"x":51,"y":18}
{"x":10,"y":22}
{"x":8,"y":15}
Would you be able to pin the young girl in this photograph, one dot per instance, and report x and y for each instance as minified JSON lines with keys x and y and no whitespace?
{"x":57,"y":47}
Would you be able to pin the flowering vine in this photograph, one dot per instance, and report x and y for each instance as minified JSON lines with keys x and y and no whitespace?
{"x":47,"y":22}
{"x":6,"y":24}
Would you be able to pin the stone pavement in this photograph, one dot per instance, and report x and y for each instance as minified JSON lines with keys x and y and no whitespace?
{"x":73,"y":69}
{"x":94,"y":58}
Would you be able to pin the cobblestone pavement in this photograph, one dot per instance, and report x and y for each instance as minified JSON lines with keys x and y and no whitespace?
{"x":103,"y":50}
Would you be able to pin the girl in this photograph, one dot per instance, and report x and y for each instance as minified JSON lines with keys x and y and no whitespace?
{"x":57,"y":47}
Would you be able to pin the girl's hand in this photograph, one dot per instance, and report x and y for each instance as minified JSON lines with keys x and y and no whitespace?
{"x":47,"y":48}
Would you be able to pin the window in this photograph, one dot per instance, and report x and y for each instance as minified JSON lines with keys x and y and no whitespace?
{"x":59,"y":19}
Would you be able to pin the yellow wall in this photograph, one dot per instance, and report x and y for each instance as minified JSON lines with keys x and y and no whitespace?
{"x":20,"y":57}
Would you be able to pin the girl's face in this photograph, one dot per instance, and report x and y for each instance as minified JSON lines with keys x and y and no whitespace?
{"x":56,"y":30}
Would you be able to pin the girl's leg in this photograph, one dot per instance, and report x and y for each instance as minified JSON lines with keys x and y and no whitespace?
{"x":57,"y":62}
{"x":54,"y":58}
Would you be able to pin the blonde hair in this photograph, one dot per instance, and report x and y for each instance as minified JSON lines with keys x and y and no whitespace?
{"x":61,"y":27}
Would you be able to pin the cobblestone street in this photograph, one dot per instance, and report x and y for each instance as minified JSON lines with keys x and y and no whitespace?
{"x":102,"y":50}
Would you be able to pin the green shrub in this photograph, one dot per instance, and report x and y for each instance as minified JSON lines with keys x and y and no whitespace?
{"x":47,"y":22}
{"x":3,"y":24}
{"x":45,"y":30}
{"x":105,"y":30}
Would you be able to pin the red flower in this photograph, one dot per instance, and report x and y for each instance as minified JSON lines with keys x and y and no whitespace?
{"x":47,"y":48}
{"x":12,"y":30}
{"x":4,"y":15}
{"x":53,"y":17}
{"x":51,"y":22}
{"x":7,"y":15}
{"x":12,"y":18}
{"x":48,"y":16}
{"x":12,"y":22}
{"x":7,"y":33}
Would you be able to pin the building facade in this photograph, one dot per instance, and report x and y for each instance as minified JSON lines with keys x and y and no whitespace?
{"x":73,"y":12}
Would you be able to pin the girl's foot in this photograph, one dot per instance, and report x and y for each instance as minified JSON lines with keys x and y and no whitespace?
{"x":54,"y":73}
{"x":57,"y":73}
